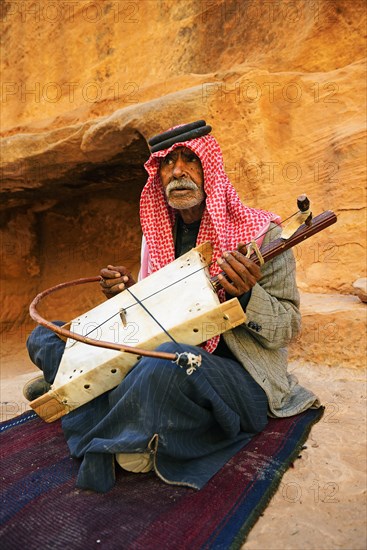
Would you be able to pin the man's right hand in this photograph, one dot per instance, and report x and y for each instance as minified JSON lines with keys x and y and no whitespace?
{"x":115,"y":279}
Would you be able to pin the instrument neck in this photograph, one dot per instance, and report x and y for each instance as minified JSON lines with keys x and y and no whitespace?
{"x":276,"y":247}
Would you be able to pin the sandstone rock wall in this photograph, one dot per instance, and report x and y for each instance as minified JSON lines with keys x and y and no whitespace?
{"x":84,"y":83}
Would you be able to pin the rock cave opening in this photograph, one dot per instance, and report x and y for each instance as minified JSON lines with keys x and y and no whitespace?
{"x":60,"y":229}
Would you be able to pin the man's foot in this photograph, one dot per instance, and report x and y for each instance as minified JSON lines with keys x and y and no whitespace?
{"x":35,"y":388}
{"x":135,"y":462}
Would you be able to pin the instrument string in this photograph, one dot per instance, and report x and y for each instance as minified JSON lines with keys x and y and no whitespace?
{"x":152,"y":316}
{"x":140,"y":301}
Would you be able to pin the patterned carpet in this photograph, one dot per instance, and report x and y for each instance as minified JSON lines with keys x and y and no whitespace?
{"x":42,"y":508}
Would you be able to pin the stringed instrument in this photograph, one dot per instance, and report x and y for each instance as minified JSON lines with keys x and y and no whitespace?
{"x":105,"y":343}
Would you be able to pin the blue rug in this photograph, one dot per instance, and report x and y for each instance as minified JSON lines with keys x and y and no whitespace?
{"x":41,"y":508}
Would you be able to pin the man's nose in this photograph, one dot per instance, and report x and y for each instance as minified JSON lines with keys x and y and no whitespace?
{"x":179,"y":168}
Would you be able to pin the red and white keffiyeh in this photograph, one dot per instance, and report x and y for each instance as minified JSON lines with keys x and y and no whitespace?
{"x":225,"y":222}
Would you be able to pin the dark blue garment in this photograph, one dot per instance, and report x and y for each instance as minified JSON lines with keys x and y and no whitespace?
{"x":45,"y":349}
{"x":201,"y":420}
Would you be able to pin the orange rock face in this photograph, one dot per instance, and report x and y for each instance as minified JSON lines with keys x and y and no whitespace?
{"x":85,"y":83}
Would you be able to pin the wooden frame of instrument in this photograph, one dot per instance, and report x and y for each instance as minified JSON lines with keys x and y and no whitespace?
{"x":191,"y":317}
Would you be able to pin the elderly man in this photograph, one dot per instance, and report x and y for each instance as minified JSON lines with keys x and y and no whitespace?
{"x":187,"y":427}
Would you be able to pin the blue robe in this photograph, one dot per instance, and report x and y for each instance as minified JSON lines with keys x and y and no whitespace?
{"x":192,"y":424}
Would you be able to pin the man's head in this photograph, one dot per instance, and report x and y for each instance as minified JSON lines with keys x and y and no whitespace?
{"x":190,"y":152}
{"x":181,"y":174}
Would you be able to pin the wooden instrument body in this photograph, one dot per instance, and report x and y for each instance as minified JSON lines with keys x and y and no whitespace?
{"x":181,"y":297}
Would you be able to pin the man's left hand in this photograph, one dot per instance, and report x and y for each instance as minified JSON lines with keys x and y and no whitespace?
{"x":242,"y":273}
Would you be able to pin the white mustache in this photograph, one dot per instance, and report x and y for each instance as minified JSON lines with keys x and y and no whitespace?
{"x":183,"y":183}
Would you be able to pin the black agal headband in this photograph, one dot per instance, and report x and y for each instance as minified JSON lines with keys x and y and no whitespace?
{"x":183,"y":133}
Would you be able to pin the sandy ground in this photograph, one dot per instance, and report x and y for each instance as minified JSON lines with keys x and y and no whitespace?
{"x":321,"y":502}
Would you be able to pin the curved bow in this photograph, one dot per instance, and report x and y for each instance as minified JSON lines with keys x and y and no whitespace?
{"x":182,"y":359}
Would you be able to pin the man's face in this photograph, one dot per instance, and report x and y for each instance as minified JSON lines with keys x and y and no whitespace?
{"x":182,"y":177}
